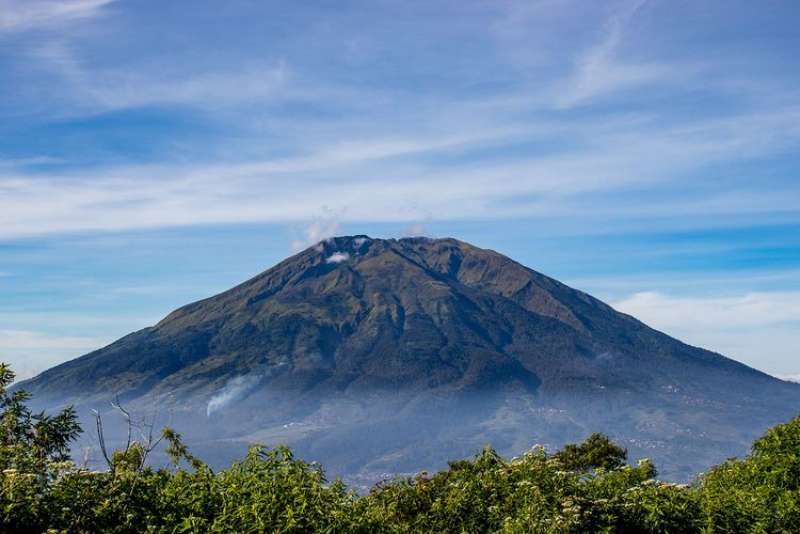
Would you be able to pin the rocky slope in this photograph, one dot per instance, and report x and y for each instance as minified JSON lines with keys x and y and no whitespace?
{"x":380,"y":356}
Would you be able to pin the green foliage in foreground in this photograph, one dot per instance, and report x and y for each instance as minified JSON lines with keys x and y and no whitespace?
{"x":582,"y":488}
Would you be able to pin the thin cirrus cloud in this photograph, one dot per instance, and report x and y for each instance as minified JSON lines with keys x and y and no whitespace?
{"x":385,"y":169}
{"x":32,"y":14}
{"x":384,"y":180}
{"x":599,"y":71}
{"x":574,"y":118}
{"x":110,"y":88}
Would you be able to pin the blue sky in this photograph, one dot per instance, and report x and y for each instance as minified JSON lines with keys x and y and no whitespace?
{"x":154,"y":153}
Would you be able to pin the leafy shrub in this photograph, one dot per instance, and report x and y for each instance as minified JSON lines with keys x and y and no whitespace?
{"x":760,"y":493}
{"x":587,"y":487}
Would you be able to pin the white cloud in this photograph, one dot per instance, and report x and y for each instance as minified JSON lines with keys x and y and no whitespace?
{"x":355,"y":182}
{"x":599,"y":71}
{"x":613,"y":289}
{"x":751,"y":309}
{"x":760,"y":329}
{"x":25,"y":340}
{"x":383,"y":161}
{"x":11,"y":340}
{"x":19,"y":15}
{"x":30,"y":352}
{"x":790,"y":378}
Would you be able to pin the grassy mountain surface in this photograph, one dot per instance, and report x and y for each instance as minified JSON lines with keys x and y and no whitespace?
{"x":380,"y":356}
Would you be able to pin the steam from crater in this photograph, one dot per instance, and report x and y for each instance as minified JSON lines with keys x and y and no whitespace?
{"x":338,"y":257}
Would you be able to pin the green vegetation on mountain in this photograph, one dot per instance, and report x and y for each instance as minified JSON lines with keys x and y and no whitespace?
{"x":382,"y":356}
{"x":587,"y":487}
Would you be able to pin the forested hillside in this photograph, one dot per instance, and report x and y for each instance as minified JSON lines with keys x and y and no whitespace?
{"x":588,"y":487}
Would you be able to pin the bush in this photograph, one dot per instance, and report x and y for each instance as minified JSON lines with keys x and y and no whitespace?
{"x":760,"y":493}
{"x":585,"y":487}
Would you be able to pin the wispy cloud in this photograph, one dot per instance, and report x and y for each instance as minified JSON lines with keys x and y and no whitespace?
{"x":749,"y":310}
{"x":25,"y":162}
{"x":591,"y":116}
{"x":761,"y":329}
{"x":352,"y":179}
{"x":32,"y":14}
{"x":30,"y":352}
{"x":93,"y":90}
{"x":32,"y":341}
{"x":715,"y":282}
{"x":600,"y":71}
{"x":25,"y":340}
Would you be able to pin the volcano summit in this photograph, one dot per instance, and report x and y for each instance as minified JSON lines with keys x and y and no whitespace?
{"x":379,"y":356}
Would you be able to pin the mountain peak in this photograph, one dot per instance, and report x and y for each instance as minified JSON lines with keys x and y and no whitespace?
{"x":380,"y":334}
{"x":361,"y":243}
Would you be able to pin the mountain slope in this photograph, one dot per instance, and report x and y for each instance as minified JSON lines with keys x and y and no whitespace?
{"x":390,"y":355}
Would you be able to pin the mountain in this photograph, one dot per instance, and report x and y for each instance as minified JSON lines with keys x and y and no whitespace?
{"x":382,"y":356}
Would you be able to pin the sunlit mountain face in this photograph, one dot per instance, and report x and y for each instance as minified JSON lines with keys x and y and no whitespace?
{"x":378,"y":356}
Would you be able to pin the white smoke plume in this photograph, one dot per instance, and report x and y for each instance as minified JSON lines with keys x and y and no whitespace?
{"x":318,"y":230}
{"x":338,"y":257}
{"x":235,"y":389}
{"x":415,"y":230}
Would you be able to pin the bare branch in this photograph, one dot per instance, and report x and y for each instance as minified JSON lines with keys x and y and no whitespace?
{"x":101,"y":438}
{"x":117,"y":405}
